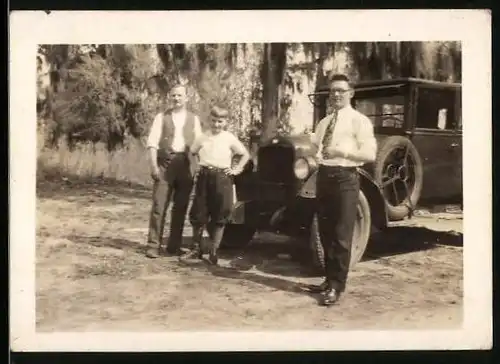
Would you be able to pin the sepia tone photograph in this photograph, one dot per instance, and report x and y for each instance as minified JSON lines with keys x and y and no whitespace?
{"x":249,"y":186}
{"x":96,"y":107}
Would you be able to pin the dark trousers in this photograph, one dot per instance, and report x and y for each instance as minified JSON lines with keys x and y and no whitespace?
{"x":175,"y":184}
{"x":337,"y":197}
{"x":213,"y":199}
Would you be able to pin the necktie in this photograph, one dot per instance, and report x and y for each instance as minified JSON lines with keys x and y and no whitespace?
{"x":327,"y":138}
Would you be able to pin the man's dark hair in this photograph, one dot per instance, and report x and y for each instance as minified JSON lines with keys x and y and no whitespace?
{"x":340,"y":77}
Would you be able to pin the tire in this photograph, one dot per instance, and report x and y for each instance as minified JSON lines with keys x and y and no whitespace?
{"x":398,"y":169}
{"x":236,"y":236}
{"x":362,"y":230}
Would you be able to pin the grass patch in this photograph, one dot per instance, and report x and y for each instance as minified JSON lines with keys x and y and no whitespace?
{"x":93,"y":161}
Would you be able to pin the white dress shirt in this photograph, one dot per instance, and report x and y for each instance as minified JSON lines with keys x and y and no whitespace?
{"x":352,"y":136}
{"x":217,"y":150}
{"x":179,"y":119}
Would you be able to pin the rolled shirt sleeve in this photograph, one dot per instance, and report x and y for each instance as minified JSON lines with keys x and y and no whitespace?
{"x":154,"y":136}
{"x":317,"y":136}
{"x":197,"y":127}
{"x":365,"y":136}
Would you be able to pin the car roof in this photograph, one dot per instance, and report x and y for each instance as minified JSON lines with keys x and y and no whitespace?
{"x":398,"y":81}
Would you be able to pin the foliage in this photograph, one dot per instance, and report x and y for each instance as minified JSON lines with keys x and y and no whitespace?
{"x":211,"y":73}
{"x":90,"y":106}
{"x":106,"y":93}
{"x":440,"y":61}
{"x":105,"y":97}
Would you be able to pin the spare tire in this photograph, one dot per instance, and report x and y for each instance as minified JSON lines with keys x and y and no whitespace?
{"x":399,"y":171}
{"x":361,"y":235}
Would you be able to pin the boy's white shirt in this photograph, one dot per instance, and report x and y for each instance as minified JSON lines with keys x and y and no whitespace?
{"x":217,"y":150}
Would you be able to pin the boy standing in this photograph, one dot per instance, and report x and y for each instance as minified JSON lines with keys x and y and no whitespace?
{"x":213,"y":200}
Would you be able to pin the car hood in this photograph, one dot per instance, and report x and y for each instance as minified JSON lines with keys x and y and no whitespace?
{"x":300,"y":143}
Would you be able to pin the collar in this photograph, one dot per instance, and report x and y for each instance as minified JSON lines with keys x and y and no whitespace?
{"x":345,"y":109}
{"x":179,"y":111}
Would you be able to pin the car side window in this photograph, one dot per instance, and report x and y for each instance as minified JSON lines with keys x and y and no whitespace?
{"x":384,"y":110}
{"x":436,"y":109}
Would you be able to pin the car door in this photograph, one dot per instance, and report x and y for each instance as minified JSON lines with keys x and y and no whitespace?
{"x":438,"y":140}
{"x":457,"y":184}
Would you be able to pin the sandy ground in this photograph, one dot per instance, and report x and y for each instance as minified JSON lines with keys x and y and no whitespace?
{"x":92,"y":274}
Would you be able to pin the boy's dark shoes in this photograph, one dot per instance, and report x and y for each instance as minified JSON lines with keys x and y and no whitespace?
{"x":213,"y":259}
{"x":330,"y":297}
{"x":194,"y":255}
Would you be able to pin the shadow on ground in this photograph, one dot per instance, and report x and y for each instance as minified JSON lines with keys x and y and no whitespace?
{"x":119,"y":243}
{"x":106,"y":242}
{"x":274,"y":283}
{"x":60,"y":187}
{"x":233,"y":272}
{"x":264,"y":256}
{"x":286,"y":259}
{"x":257,"y":257}
{"x":408,"y":239}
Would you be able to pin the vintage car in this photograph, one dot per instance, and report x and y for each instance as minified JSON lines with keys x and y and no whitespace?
{"x":419,"y":133}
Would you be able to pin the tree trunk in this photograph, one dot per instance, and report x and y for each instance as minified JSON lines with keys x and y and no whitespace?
{"x":272,"y":69}
{"x":321,"y":81}
{"x":409,"y":61}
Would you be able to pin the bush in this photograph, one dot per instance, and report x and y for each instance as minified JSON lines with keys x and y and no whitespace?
{"x":106,"y":99}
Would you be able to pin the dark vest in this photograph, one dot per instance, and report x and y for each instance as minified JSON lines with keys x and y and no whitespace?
{"x":167,"y":135}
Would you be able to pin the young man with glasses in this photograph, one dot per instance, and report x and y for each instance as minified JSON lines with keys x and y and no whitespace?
{"x":345,"y":140}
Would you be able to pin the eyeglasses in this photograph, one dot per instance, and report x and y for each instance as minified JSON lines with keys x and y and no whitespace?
{"x":339,"y":90}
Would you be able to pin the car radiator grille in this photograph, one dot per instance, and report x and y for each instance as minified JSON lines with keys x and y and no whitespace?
{"x":275,"y":164}
{"x":276,"y":177}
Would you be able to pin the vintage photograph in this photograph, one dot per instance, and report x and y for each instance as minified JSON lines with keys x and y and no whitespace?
{"x":143,"y":148}
{"x":249,"y":186}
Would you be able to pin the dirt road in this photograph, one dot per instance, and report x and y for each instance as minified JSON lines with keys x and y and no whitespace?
{"x":92,"y":274}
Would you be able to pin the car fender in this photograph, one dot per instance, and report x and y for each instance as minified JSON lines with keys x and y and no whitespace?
{"x":308,"y":189}
{"x":244,"y":212}
{"x":371,"y":190}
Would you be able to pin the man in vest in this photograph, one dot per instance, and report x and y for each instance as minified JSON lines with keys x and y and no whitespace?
{"x":345,"y":141}
{"x":172,"y":170}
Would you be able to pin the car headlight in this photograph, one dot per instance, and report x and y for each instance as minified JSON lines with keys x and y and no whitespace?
{"x":301,"y":168}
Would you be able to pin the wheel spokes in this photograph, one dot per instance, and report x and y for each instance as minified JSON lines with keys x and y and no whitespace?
{"x":408,"y":195}
{"x":395,"y":190}
{"x":398,"y":168}
{"x":405,"y":158}
{"x":390,"y":180}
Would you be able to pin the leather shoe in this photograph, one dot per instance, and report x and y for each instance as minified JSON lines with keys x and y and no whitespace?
{"x":330,"y":297}
{"x":313,"y":288}
{"x":176,"y":253}
{"x":194,"y":254}
{"x":212,"y":258}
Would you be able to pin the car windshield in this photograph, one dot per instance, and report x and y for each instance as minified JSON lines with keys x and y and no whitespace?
{"x":384,"y":110}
